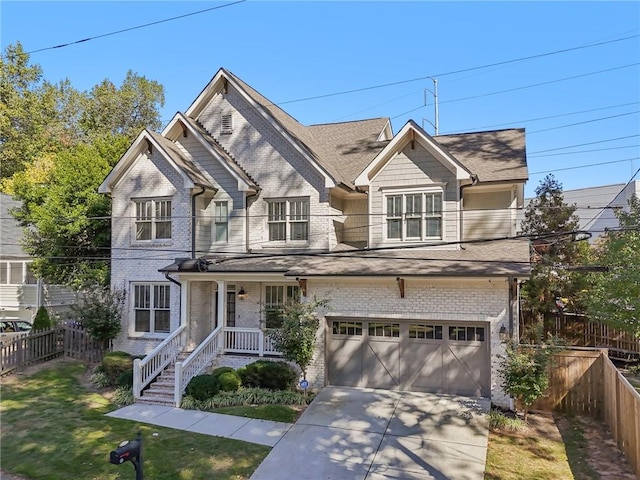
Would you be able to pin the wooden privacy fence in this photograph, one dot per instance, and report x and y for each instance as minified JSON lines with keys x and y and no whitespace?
{"x":586,"y":382}
{"x":69,"y":340}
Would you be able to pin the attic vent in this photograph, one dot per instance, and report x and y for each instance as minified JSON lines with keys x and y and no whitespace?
{"x":226,"y":123}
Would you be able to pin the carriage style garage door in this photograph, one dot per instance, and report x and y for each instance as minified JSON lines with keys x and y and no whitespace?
{"x":439,"y":357}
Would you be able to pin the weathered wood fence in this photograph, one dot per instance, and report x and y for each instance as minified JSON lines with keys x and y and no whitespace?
{"x":586,"y":382}
{"x":69,"y":340}
{"x":578,"y":331}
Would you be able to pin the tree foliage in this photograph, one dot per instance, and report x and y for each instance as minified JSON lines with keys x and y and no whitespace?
{"x":99,"y":310}
{"x":613,"y":297}
{"x":524,"y":372}
{"x":296,"y":337}
{"x":57,"y":145}
{"x":549,"y":220}
{"x":42,"y":321}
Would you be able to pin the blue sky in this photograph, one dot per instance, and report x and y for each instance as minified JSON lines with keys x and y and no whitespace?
{"x":579,"y":107}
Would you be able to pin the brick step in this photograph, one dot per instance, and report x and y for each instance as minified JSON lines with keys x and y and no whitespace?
{"x":156,"y":401}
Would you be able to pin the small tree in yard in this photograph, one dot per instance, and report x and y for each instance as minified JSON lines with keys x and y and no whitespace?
{"x":524,"y":372}
{"x":296,"y":337}
{"x":42,"y":320}
{"x":100,"y":312}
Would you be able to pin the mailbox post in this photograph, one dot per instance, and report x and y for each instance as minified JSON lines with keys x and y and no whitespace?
{"x":129,"y":451}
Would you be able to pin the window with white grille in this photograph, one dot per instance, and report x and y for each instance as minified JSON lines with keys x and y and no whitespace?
{"x":153,"y":220}
{"x":151,"y":307}
{"x":414,"y":216}
{"x":288,"y":220}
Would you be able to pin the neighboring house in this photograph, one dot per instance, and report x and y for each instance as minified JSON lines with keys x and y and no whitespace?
{"x":21,"y":294}
{"x":236,"y":208}
{"x":596,"y":206}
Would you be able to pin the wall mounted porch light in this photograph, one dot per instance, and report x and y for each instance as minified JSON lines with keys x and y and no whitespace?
{"x":503,"y":334}
{"x":242,"y":294}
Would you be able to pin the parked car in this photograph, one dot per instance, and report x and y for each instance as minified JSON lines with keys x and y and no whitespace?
{"x":11,"y":329}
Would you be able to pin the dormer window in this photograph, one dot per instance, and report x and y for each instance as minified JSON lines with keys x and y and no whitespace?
{"x":226,"y":123}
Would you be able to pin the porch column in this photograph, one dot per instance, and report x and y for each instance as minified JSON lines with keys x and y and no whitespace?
{"x":184,"y":303}
{"x":222,"y":302}
{"x":222,"y":317}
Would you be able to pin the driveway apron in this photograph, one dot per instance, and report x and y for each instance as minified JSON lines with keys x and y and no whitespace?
{"x":358,"y":433}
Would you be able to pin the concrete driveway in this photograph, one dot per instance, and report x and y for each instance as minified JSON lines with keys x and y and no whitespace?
{"x":358,"y":433}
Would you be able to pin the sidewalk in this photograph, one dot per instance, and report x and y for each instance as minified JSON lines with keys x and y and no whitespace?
{"x":263,"y":432}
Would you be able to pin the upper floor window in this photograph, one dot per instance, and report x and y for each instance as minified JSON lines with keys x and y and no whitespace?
{"x":151,"y":308}
{"x":414,"y":216}
{"x":276,"y":297}
{"x":226,"y":123}
{"x":16,"y":273}
{"x":221,"y":222}
{"x":288,"y":220}
{"x":153,"y":219}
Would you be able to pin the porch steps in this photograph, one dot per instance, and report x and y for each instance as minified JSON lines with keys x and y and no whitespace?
{"x":161,"y":390}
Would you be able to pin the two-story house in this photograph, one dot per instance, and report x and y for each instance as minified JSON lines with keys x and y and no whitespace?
{"x":21,"y":293}
{"x":236,"y":208}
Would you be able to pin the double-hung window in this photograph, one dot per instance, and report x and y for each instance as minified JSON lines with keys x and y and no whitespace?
{"x":153,"y":219}
{"x":276,"y":298}
{"x":151,"y":308}
{"x":414,"y":216}
{"x":288,"y":220}
{"x":221,"y":222}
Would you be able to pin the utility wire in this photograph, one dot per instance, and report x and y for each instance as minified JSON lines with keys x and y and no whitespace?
{"x":584,"y":166}
{"x":134,"y":28}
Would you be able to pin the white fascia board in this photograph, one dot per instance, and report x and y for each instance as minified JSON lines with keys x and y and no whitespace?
{"x":212,"y":87}
{"x":393,"y":147}
{"x":243,"y":186}
{"x":129,"y":158}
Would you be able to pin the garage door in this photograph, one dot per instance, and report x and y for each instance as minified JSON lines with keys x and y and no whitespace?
{"x":441,"y":357}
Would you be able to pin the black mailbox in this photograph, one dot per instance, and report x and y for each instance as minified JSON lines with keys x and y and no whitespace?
{"x":127,"y":450}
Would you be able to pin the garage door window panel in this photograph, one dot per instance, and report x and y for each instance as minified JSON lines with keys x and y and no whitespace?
{"x":466,"y":334}
{"x":347,"y":328}
{"x":389,"y":330}
{"x":425,"y":331}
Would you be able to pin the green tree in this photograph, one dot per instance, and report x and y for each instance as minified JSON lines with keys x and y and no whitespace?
{"x":613,"y":297}
{"x":112,"y":111}
{"x":66,"y":220}
{"x":99,"y":310}
{"x":524,"y":372}
{"x":296,"y":337}
{"x":550,"y":221}
{"x":42,"y":320}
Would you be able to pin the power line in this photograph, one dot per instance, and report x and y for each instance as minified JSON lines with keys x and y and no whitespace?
{"x":585,"y":144}
{"x":585,"y":166}
{"x":583,"y":151}
{"x":437,"y":75}
{"x":582,"y":123}
{"x":134,"y":28}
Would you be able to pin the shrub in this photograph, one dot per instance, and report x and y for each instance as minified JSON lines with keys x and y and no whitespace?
{"x":116,"y":363}
{"x":125,"y":379}
{"x":123,"y":396}
{"x":99,"y":379}
{"x":220,"y":370}
{"x":42,"y":320}
{"x":499,"y":421}
{"x":270,"y":375}
{"x":202,"y":387}
{"x":246,"y":396}
{"x":229,"y":381}
{"x":634,"y":369}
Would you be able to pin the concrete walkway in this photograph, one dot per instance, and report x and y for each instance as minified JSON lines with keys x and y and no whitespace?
{"x":357,"y":434}
{"x":264,"y":432}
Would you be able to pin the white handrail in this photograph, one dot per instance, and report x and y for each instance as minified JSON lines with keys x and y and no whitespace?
{"x":148,"y":368}
{"x":249,"y":341}
{"x":199,"y":359}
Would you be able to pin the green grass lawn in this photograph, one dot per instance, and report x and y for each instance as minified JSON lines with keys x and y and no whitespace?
{"x":53,"y":428}
{"x":277,"y":413}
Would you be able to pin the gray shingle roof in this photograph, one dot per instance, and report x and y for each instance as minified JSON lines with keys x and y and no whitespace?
{"x":498,"y":155}
{"x":10,"y":230}
{"x":494,"y":258}
{"x":183,"y":162}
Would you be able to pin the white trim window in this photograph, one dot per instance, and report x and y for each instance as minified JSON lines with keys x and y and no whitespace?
{"x":275,"y":299}
{"x":413,"y":216}
{"x":151,"y":308}
{"x":153,"y":219}
{"x":288,"y":220}
{"x":16,"y":273}
{"x":221,"y":222}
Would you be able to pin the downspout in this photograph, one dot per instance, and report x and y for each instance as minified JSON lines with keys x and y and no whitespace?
{"x":474,"y":181}
{"x":173,"y":280}
{"x":193,"y":221}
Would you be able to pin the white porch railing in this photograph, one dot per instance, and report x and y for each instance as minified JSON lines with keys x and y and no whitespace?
{"x":199,"y":359}
{"x":248,"y":341}
{"x":145,"y":370}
